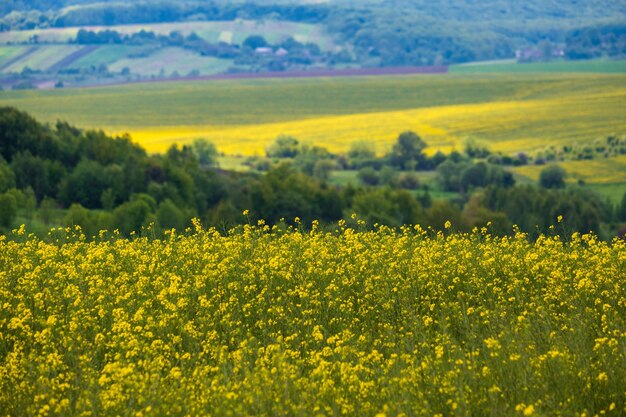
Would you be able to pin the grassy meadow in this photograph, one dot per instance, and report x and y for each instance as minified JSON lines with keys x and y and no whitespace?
{"x":39,"y":58}
{"x":511,"y":66}
{"x":506,"y":112}
{"x":288,"y":322}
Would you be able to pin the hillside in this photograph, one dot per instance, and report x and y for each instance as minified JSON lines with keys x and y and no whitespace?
{"x":57,"y":54}
{"x":339,"y":33}
{"x":506,"y":112}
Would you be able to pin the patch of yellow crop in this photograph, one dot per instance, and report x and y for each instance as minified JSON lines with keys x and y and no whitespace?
{"x":597,"y":171}
{"x":506,"y":126}
{"x":267,"y":321}
{"x":334,"y":133}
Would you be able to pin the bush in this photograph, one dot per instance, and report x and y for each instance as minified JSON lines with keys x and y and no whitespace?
{"x":8,"y":210}
{"x":409,"y":181}
{"x":369,"y":176}
{"x":283,"y":147}
{"x":552,"y":176}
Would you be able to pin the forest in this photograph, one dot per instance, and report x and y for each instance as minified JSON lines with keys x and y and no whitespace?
{"x":56,"y":176}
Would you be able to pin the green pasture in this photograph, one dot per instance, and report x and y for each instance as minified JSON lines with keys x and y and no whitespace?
{"x":9,"y":52}
{"x":507,"y":66}
{"x":106,"y":54}
{"x":41,"y":59}
{"x":172,"y":60}
{"x":255,"y":101}
{"x":508,"y":113}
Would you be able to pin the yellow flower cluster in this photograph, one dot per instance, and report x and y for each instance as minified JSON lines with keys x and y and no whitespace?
{"x":286,"y":322}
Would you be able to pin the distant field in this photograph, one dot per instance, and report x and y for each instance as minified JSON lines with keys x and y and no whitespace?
{"x":231,"y":32}
{"x":8,"y":52}
{"x":53,"y":52}
{"x":41,"y":59}
{"x":599,"y":171}
{"x":509,"y":113}
{"x":168,"y":61}
{"x":597,"y":66}
{"x":605,"y":176}
{"x":106,"y":54}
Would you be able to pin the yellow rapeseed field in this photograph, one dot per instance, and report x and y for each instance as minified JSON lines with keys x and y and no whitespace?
{"x":506,"y":112}
{"x":505,"y":126}
{"x":597,"y":171}
{"x":288,"y":322}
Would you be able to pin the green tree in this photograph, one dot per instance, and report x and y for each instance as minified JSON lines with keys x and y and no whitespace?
{"x":361,"y":153}
{"x":85,"y":185}
{"x":255,"y":41}
{"x":450,"y":173}
{"x":408,"y":181}
{"x":91,"y":222}
{"x":552,"y":176}
{"x":443,"y":211}
{"x":205,"y":151}
{"x":621,"y":210}
{"x":77,"y":215}
{"x":7,"y":177}
{"x":286,"y":193}
{"x":132,"y":216}
{"x":47,"y":209}
{"x":475,"y":175}
{"x":8,"y":210}
{"x":42,"y":175}
{"x":369,"y":176}
{"x":283,"y":147}
{"x":169,"y":216}
{"x":406,"y":153}
{"x":388,"y":207}
{"x":323,"y":168}
{"x":19,"y":132}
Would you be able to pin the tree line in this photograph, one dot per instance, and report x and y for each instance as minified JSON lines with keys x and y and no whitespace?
{"x":58,"y":175}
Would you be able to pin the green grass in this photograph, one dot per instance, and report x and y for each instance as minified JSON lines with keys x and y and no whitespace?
{"x":43,"y":58}
{"x":597,"y":66}
{"x":232,"y":163}
{"x":250,"y":102}
{"x":172,"y":60}
{"x":343,"y":178}
{"x":614,"y":192}
{"x":8,"y":52}
{"x":106,"y":54}
{"x":507,"y":112}
{"x":601,"y":171}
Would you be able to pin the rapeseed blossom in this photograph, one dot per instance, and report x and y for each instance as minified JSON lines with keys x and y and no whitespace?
{"x":266,"y":321}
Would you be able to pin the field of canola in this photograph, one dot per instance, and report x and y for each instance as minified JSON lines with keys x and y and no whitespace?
{"x":507,"y":112}
{"x":271,"y":322}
